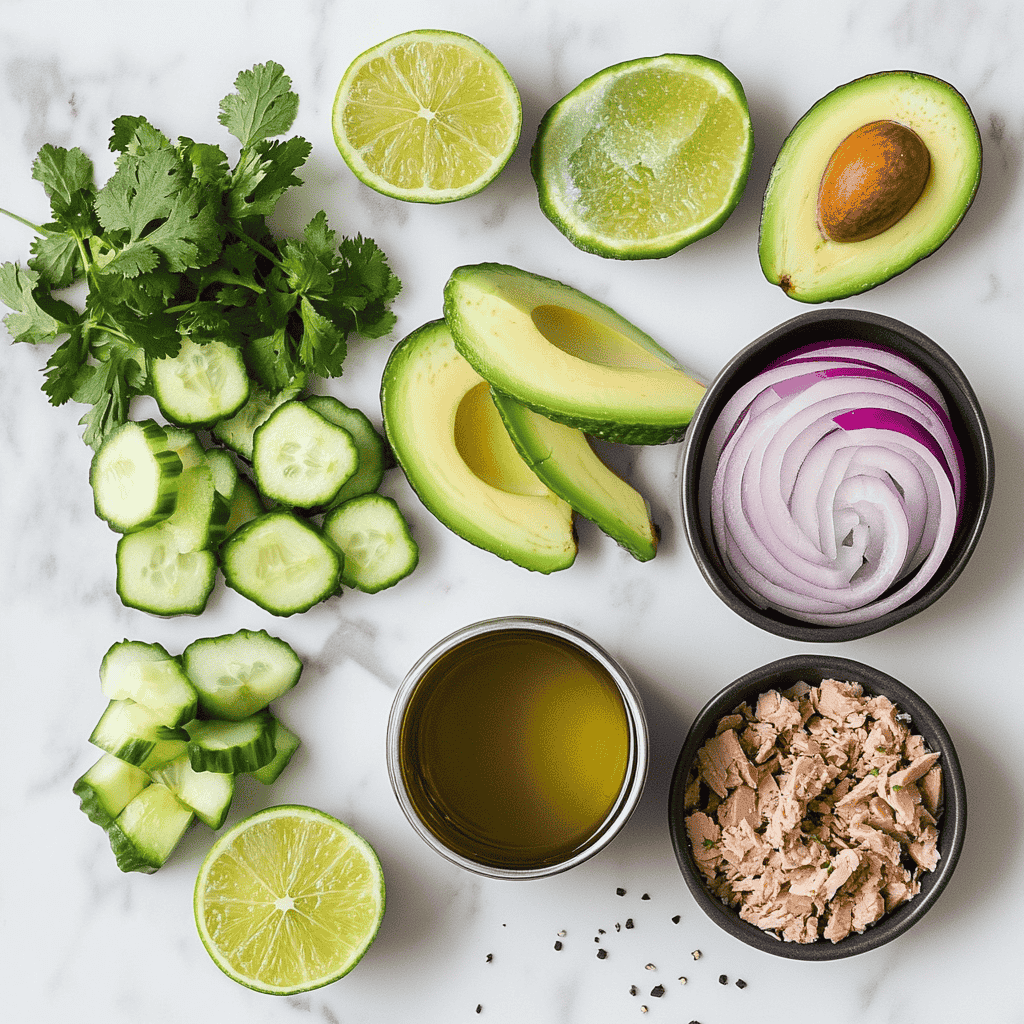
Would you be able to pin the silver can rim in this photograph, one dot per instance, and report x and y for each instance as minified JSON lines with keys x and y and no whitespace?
{"x":636,"y":770}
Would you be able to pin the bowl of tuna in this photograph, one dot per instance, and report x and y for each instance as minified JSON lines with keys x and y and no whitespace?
{"x":836,"y":476}
{"x":817,"y":808}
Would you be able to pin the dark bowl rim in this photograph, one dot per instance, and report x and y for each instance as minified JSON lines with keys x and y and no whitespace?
{"x":966,"y":413}
{"x":924,"y":720}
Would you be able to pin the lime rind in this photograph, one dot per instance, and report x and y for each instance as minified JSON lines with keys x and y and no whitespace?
{"x":430,"y":155}
{"x":264,"y":929}
{"x":644,"y":157}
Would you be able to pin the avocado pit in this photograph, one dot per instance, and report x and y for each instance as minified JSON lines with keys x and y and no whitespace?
{"x":872,"y":180}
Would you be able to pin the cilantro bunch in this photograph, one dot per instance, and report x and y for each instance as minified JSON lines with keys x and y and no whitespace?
{"x":176,"y":244}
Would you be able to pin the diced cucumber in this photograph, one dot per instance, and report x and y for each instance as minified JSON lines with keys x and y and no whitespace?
{"x":106,"y":788}
{"x":285,"y":745}
{"x":225,"y":471}
{"x":134,"y":476}
{"x":208,"y":794}
{"x":375,"y":541}
{"x":155,"y":575}
{"x":240,"y":673}
{"x":281,"y":562}
{"x":369,"y":473}
{"x":187,"y":445}
{"x":134,"y":733}
{"x":216,"y":745}
{"x":148,"y":829}
{"x":203,"y":383}
{"x":300,"y":458}
{"x":237,"y":431}
{"x":244,"y":507}
{"x":148,"y":675}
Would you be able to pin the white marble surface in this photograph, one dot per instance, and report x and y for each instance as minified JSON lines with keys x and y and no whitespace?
{"x":80,"y":941}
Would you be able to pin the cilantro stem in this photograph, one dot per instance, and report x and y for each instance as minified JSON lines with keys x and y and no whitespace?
{"x":35,"y":227}
{"x":253,"y":244}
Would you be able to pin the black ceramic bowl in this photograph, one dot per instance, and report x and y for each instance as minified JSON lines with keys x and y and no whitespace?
{"x":968,"y":422}
{"x":812,"y":669}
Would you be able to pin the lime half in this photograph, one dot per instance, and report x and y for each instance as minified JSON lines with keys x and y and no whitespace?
{"x":427,"y":116}
{"x":645,"y":156}
{"x":288,"y":900}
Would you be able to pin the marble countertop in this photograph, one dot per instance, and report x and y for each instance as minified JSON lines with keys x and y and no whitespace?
{"x":80,"y":941}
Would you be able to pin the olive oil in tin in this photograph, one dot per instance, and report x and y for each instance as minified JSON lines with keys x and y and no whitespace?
{"x":514,"y":748}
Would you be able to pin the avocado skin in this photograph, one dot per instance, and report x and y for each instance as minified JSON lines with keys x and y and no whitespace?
{"x":792,"y":250}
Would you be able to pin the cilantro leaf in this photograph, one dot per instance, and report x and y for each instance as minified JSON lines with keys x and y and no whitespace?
{"x":30,"y":320}
{"x":264,"y":173}
{"x":322,"y":348}
{"x":263,"y":107}
{"x":67,"y":178}
{"x":109,"y":389}
{"x":57,"y":258}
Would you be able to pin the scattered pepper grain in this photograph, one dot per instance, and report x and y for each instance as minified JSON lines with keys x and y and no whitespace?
{"x":695,"y":954}
{"x":620,"y":891}
{"x":740,"y":983}
{"x":629,"y":922}
{"x":558,"y":945}
{"x":602,"y":954}
{"x":658,"y":991}
{"x":645,"y":896}
{"x":676,"y":919}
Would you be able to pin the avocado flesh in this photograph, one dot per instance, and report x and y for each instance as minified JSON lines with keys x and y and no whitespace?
{"x":563,"y":459}
{"x":568,"y":356}
{"x":793,"y":252}
{"x":450,"y":443}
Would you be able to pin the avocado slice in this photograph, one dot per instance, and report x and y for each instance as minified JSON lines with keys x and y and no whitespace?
{"x":564,"y":460}
{"x":795,"y":253}
{"x":567,"y":356}
{"x":450,"y":442}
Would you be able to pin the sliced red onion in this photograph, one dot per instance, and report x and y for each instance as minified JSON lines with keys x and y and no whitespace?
{"x":835,"y":483}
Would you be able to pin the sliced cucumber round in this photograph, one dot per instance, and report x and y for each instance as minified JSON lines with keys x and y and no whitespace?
{"x":155,"y":575}
{"x":372,"y":450}
{"x":134,"y":476}
{"x":375,"y":541}
{"x":148,"y":675}
{"x":203,"y":383}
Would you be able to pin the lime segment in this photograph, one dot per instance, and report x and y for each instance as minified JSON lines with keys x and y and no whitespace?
{"x":289,"y":900}
{"x":644,"y":157}
{"x":427,"y":116}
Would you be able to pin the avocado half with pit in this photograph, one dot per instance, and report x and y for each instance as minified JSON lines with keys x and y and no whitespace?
{"x":450,"y":442}
{"x":567,"y":356}
{"x":873,"y":178}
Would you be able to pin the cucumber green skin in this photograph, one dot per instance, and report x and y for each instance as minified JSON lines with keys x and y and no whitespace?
{"x":640,"y":542}
{"x":133,"y":852}
{"x":193,"y":605}
{"x":369,"y":474}
{"x":286,"y":743}
{"x":206,"y":755}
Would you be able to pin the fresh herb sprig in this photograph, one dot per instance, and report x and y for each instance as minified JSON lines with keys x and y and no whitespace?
{"x":176,"y":244}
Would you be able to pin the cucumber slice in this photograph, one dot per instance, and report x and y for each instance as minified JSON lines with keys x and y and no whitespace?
{"x":369,"y":473}
{"x":216,"y":745}
{"x":134,"y":733}
{"x":148,"y":829}
{"x":203,"y":383}
{"x":134,"y":477}
{"x":244,"y":507}
{"x":239,"y":674}
{"x":285,"y":745}
{"x":225,"y":471}
{"x":281,"y":563}
{"x":148,"y":675}
{"x":374,"y":539}
{"x":155,"y":575}
{"x":237,"y":431}
{"x":107,"y":787}
{"x":208,"y":794}
{"x":201,"y":517}
{"x":187,"y":445}
{"x":300,"y":458}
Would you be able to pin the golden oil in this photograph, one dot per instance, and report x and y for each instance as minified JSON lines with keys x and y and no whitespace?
{"x":514,"y":748}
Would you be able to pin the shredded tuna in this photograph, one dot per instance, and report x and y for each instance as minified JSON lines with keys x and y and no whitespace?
{"x":814,"y":813}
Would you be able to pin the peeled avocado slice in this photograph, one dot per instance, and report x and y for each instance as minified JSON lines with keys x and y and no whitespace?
{"x":450,"y":442}
{"x":793,"y":251}
{"x":563,"y":458}
{"x":567,"y":356}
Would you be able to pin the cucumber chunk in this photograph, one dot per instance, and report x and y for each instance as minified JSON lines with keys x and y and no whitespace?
{"x":148,"y":675}
{"x":244,"y":507}
{"x":375,"y":541}
{"x":300,"y":458}
{"x":225,"y":471}
{"x":285,"y":745}
{"x":216,"y":745}
{"x":135,"y":733}
{"x":237,"y":431}
{"x":281,"y":563}
{"x":148,"y":829}
{"x":155,"y":575}
{"x":240,"y":673}
{"x":107,"y":787}
{"x":207,"y":794}
{"x":134,"y":477}
{"x":369,"y":473}
{"x":203,"y":383}
{"x":187,"y":445}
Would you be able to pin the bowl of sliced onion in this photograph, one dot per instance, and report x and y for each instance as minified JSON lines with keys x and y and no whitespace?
{"x":836,"y":476}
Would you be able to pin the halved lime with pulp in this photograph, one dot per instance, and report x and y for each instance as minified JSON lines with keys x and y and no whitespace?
{"x":288,"y":900}
{"x":644,"y":157}
{"x":428,"y":116}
